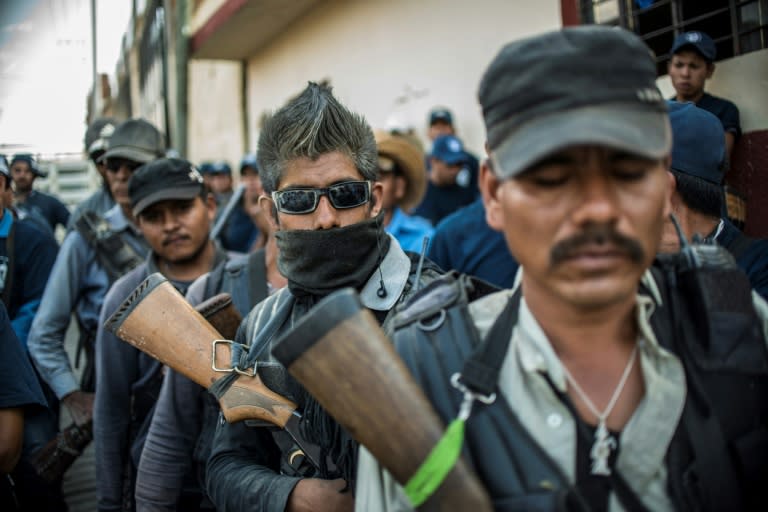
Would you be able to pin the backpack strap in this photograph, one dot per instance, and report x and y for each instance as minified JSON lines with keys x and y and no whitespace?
{"x":115,"y":255}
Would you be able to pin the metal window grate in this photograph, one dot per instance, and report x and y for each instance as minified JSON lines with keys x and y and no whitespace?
{"x":737,"y":26}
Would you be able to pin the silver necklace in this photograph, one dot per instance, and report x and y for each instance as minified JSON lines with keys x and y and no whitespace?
{"x":604,"y":442}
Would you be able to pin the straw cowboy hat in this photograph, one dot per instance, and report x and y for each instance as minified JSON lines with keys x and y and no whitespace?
{"x":409,"y":160}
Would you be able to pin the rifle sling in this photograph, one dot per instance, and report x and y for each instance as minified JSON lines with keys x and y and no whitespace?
{"x":481,"y":371}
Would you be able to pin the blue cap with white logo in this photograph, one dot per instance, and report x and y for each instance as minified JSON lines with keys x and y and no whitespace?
{"x":449,"y":149}
{"x":700,"y":42}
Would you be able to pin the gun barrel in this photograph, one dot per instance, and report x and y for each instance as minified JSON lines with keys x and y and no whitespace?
{"x":228,"y":209}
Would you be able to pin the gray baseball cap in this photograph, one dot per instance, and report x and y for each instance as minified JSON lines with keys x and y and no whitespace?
{"x":137,"y":140}
{"x":587,"y":85}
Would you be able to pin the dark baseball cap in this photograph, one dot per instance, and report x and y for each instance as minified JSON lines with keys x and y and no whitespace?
{"x":698,"y":142}
{"x":249,"y":160}
{"x":586,"y":85}
{"x":700,"y":42}
{"x":440,"y":115}
{"x":220,"y":168}
{"x":137,"y":140}
{"x":30,"y":160}
{"x":161,"y":180}
{"x":449,"y":149}
{"x":98,"y":133}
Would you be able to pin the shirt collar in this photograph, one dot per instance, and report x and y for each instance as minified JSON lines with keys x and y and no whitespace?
{"x":394,"y":270}
{"x":538,"y":355}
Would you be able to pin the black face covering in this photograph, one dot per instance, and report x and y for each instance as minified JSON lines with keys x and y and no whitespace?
{"x":321,"y":261}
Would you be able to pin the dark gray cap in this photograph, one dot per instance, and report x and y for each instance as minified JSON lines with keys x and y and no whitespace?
{"x":161,"y":180}
{"x":137,"y":140}
{"x":98,"y":133}
{"x":588,"y":85}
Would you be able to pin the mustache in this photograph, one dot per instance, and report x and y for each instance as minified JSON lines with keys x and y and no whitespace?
{"x":170,"y":239}
{"x":596,"y":235}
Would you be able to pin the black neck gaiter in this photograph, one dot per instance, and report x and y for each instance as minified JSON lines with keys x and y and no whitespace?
{"x":321,"y":261}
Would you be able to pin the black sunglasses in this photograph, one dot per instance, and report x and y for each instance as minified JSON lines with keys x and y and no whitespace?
{"x":114,"y":164}
{"x":298,"y":201}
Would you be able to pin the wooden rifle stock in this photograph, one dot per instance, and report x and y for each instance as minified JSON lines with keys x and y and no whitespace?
{"x":157,"y":320}
{"x":339,"y":353}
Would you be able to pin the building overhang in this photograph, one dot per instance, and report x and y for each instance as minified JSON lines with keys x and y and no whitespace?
{"x":239,"y":28}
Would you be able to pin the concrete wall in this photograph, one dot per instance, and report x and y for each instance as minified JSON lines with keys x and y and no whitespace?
{"x":394,"y":59}
{"x":215,"y":111}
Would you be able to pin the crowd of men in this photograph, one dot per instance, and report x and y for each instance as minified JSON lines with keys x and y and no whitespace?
{"x":577,"y":301}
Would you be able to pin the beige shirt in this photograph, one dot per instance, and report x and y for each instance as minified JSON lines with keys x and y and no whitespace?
{"x":644,"y":439}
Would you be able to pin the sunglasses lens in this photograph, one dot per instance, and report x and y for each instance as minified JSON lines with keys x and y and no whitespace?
{"x":348,"y":195}
{"x":114,"y":164}
{"x":297,"y":201}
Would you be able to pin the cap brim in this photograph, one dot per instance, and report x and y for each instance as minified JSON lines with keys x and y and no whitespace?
{"x":641,"y":132}
{"x":130,"y":153}
{"x":181,"y":193}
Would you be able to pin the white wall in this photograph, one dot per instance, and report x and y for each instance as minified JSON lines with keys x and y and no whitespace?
{"x":396,"y":58}
{"x":742,"y":80}
{"x":215,"y":112}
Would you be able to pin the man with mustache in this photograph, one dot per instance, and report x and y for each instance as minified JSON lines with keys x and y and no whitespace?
{"x":318,"y":166}
{"x":592,"y":384}
{"x":174,"y":212}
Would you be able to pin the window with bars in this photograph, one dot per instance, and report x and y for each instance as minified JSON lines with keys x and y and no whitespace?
{"x":737,"y":26}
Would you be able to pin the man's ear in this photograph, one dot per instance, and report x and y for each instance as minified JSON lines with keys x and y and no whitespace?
{"x":671,"y":203}
{"x":710,"y":69}
{"x":210,"y":204}
{"x":266,"y":204}
{"x":489,"y":188}
{"x":377,"y":192}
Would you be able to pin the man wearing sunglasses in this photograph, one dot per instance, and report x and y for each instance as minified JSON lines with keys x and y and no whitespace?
{"x":90,"y":259}
{"x":318,"y":166}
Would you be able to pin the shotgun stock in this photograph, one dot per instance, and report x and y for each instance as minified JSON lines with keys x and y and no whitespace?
{"x":156,"y":319}
{"x":339,"y":353}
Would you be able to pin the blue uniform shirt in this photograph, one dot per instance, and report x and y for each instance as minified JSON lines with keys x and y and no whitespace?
{"x":464,"y":242}
{"x":409,"y":230}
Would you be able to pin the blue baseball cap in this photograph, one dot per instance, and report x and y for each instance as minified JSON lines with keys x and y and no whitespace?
{"x":250,"y":161}
{"x":700,"y":42}
{"x":30,"y":160}
{"x":220,"y":168}
{"x":698,"y":142}
{"x":449,"y":149}
{"x":440,"y":115}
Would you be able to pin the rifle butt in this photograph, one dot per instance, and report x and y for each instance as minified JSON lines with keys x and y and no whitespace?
{"x":158,"y":320}
{"x":341,"y":355}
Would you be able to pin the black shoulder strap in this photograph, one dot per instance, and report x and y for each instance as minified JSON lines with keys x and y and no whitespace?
{"x":114,"y":254}
{"x":213,"y":283}
{"x":10,"y":249}
{"x":481,"y":371}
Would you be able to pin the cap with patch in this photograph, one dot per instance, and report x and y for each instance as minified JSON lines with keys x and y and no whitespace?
{"x":161,"y":180}
{"x":30,"y":160}
{"x":137,"y":140}
{"x":576,"y":86}
{"x":449,"y":149}
{"x":700,"y":42}
{"x":440,"y":115}
{"x":698,"y":142}
{"x":97,"y":135}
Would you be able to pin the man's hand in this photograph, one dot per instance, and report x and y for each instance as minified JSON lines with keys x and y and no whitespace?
{"x":313,"y":494}
{"x":80,"y":406}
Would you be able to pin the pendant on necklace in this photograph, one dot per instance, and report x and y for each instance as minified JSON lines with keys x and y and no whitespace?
{"x":601,"y":450}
